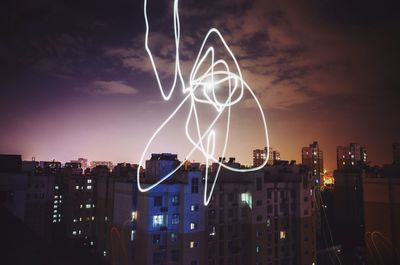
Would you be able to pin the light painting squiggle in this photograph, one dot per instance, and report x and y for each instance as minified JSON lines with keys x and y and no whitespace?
{"x":203,"y":84}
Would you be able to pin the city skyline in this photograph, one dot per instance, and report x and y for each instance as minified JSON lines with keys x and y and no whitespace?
{"x":82,"y":86}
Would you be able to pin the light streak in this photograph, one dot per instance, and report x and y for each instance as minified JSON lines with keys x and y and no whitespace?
{"x":206,"y":83}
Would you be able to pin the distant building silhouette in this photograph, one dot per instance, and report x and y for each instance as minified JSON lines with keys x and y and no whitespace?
{"x":259,"y":156}
{"x":312,"y":157}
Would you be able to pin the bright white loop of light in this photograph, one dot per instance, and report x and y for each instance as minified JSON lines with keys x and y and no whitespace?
{"x":206,"y":83}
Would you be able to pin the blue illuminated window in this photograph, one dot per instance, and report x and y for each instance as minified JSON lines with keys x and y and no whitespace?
{"x":158,"y":220}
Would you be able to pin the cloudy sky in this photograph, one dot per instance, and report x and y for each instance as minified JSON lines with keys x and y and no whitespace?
{"x":76,"y":80}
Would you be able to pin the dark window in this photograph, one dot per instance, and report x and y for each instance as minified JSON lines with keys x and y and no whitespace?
{"x":156,"y":239}
{"x":195,"y":185}
{"x":157,"y":200}
{"x":258,"y":184}
{"x":175,"y":255}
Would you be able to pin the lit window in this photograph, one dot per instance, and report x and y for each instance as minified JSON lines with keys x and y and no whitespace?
{"x":56,"y":187}
{"x":258,"y":249}
{"x":89,"y":187}
{"x":104,"y":253}
{"x":54,"y":206}
{"x":88,"y":206}
{"x":92,"y":218}
{"x":133,"y":235}
{"x":54,"y":215}
{"x":158,"y":220}
{"x":55,"y":211}
{"x":194,"y":207}
{"x":91,"y":243}
{"x":55,"y":197}
{"x":174,"y":237}
{"x":282,"y":235}
{"x":213,"y":231}
{"x":134,"y":216}
{"x":246,"y":198}
{"x":77,"y":187}
{"x":105,"y":218}
{"x":74,"y":220}
{"x":89,"y":181}
{"x":74,"y":233}
{"x":193,"y":244}
{"x":193,"y":226}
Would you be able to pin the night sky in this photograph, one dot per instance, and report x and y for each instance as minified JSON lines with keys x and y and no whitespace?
{"x":76,"y":81}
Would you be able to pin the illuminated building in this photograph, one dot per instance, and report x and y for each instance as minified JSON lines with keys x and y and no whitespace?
{"x":262,"y":217}
{"x":170,"y":218}
{"x":259,"y":156}
{"x":353,"y":155}
{"x":396,"y":153}
{"x":79,"y":205}
{"x":312,"y":157}
{"x":328,"y":180}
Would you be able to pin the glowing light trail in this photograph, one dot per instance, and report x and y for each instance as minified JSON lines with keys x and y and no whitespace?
{"x":205,"y":83}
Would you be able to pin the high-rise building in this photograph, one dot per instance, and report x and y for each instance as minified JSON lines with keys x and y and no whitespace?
{"x":353,"y":155}
{"x":262,"y":217}
{"x":170,"y":223}
{"x":312,"y":157}
{"x":27,"y":191}
{"x":382,"y":216}
{"x":79,"y":202}
{"x":348,"y":214}
{"x":259,"y":156}
{"x":396,"y":153}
